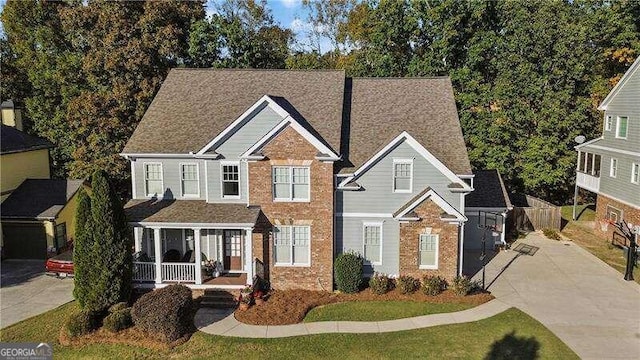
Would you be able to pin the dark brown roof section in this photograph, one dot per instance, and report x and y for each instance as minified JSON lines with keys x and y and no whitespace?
{"x":382,"y":108}
{"x":39,"y":199}
{"x":489,"y":191}
{"x":195,"y":105}
{"x":189,"y":211}
{"x":13,"y":140}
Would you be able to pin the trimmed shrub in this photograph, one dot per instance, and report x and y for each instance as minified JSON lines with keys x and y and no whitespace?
{"x":433,"y":285}
{"x":461,"y":285}
{"x":408,"y":284}
{"x":380,"y":283}
{"x":348,"y":272}
{"x":117,"y":307}
{"x":166,"y":313}
{"x":551,"y":234}
{"x":81,"y":322}
{"x":118,"y":320}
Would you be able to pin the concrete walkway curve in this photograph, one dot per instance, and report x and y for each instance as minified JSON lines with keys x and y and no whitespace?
{"x":223,"y":323}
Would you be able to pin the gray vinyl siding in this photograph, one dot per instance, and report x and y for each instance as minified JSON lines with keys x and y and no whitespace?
{"x":625,"y":103}
{"x":170,"y":178}
{"x":377,"y":195}
{"x":621,"y":186}
{"x":349,"y":237}
{"x":254,"y":128}
{"x":214,"y":173}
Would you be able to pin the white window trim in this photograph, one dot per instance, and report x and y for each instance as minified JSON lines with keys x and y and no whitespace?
{"x":144,"y":173}
{"x":618,"y":127}
{"x":182,"y":179}
{"x":430,"y":267}
{"x":291,"y":263}
{"x":380,"y":225}
{"x":227,"y":163}
{"x":290,"y":198}
{"x":613,"y":170}
{"x":635,"y":167}
{"x":608,"y":122}
{"x":393,"y":176}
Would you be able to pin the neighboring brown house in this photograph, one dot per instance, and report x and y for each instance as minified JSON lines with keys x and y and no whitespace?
{"x":275,"y":172}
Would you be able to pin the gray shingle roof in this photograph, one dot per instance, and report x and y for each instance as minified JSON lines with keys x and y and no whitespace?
{"x":39,"y":199}
{"x":382,"y":108}
{"x":195,"y":105}
{"x":13,"y":140}
{"x":189,"y":211}
{"x":489,"y":191}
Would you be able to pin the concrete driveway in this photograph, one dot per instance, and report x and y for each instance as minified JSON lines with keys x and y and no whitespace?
{"x":25,"y":291}
{"x":581,"y":299}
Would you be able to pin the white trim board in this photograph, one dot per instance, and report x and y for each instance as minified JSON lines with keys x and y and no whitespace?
{"x":168,"y":225}
{"x":442,"y":203}
{"x":404,"y":136}
{"x":364,"y":215}
{"x":606,"y":148}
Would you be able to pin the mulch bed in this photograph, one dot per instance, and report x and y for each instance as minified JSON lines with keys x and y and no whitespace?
{"x":287,"y":307}
{"x":131,"y":336}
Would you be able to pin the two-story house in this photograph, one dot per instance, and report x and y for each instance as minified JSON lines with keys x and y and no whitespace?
{"x":610,"y":165}
{"x":276,"y":172}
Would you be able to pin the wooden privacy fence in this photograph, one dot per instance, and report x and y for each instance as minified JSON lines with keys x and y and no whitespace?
{"x":530,"y":214}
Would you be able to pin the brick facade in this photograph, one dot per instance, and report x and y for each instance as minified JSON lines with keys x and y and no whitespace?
{"x":606,"y":231}
{"x":290,"y":148}
{"x":429,"y":213}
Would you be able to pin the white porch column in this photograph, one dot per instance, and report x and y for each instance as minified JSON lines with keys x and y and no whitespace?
{"x":249,"y":263}
{"x":137,"y":239}
{"x":158,"y":254}
{"x":196,"y":248}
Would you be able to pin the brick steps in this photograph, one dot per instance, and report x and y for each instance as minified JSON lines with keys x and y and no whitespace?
{"x":219,"y":299}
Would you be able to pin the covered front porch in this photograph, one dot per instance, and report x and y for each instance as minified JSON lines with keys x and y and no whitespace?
{"x":215,"y":254}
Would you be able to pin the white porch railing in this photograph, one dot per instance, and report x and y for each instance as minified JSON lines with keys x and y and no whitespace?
{"x":144,"y":271}
{"x":182,"y":272}
{"x":588,"y":182}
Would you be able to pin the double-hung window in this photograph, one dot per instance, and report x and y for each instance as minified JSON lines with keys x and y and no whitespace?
{"x":635,"y":173}
{"x":189,"y":180}
{"x":402,"y":175}
{"x":230,"y":181}
{"x":428,"y":251}
{"x":292,"y":245}
{"x":153,"y":179}
{"x":372,"y":243}
{"x":621,"y":127}
{"x":290,"y":183}
{"x":608,"y":123}
{"x":613,"y":169}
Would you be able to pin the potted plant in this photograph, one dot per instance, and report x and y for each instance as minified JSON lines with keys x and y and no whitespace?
{"x":246,"y":291}
{"x":245,"y":302}
{"x":258,"y":297}
{"x":210,"y":268}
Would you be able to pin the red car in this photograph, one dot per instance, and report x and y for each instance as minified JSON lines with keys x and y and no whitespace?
{"x":60,"y":265}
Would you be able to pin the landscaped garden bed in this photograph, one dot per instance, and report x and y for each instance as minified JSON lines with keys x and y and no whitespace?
{"x":291,"y":306}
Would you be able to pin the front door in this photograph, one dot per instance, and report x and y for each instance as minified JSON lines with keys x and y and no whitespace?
{"x":232,"y":250}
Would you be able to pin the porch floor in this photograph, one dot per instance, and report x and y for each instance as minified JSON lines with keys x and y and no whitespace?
{"x":227,"y":279}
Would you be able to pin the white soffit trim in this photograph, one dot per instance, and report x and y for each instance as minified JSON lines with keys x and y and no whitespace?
{"x":290,"y":121}
{"x":620,"y":151}
{"x":577,"y":147}
{"x":632,"y":69}
{"x":442,"y":203}
{"x":404,"y":136}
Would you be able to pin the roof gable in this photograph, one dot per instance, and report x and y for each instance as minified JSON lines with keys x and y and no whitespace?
{"x":616,"y":89}
{"x":424,"y":195}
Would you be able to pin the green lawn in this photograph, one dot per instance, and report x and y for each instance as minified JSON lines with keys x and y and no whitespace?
{"x":584,"y":212}
{"x":379,"y":310}
{"x":502,"y":336}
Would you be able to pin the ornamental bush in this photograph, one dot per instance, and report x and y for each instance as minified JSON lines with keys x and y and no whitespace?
{"x":408,"y":284}
{"x":348,"y":272}
{"x":166,"y":313}
{"x":118,"y":320}
{"x":461,"y":285}
{"x":81,"y":322}
{"x":117,"y":307}
{"x":433,"y":285}
{"x":380,"y":283}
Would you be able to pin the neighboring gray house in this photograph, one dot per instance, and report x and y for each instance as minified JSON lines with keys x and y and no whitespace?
{"x":275,"y":172}
{"x":610,"y":165}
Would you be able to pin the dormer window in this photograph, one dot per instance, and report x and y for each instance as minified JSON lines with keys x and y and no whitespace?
{"x":402,"y":175}
{"x":621,"y":127}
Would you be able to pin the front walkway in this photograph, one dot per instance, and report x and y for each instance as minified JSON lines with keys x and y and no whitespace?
{"x":582,"y":300}
{"x":222,"y":322}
